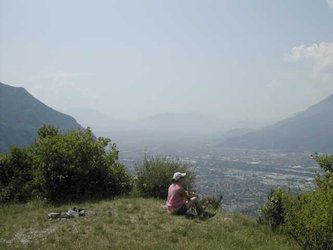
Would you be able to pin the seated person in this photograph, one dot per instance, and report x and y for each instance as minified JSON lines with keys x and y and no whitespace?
{"x":179,"y":200}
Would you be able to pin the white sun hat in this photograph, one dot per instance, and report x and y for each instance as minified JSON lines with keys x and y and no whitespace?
{"x":178,"y":175}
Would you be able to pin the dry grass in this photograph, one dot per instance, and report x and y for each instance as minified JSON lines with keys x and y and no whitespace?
{"x":130,"y":223}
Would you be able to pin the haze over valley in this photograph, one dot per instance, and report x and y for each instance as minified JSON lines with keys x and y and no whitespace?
{"x":243,"y":91}
{"x":243,"y":175}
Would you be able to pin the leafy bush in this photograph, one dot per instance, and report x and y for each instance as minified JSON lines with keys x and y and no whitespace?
{"x":63,"y":167}
{"x":325,"y":181}
{"x":47,"y":130}
{"x":324,"y":161}
{"x":76,"y":165}
{"x":273,"y":212}
{"x":154,"y":175}
{"x":15,"y":175}
{"x":307,"y":217}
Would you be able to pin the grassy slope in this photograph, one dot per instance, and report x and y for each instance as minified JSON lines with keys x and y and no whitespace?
{"x":130,"y":223}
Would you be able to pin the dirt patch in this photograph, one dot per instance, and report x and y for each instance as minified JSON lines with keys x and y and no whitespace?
{"x":25,"y":237}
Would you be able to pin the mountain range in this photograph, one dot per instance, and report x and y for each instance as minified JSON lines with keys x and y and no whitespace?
{"x":310,"y":130}
{"x":21,"y":115}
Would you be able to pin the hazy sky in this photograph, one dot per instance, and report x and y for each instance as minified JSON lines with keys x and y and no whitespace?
{"x":236,"y":60}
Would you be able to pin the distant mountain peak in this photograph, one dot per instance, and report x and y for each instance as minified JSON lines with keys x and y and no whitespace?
{"x":310,"y":130}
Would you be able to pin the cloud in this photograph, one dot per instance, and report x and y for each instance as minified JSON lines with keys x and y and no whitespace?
{"x":318,"y":56}
{"x":311,"y":76}
{"x":330,"y":3}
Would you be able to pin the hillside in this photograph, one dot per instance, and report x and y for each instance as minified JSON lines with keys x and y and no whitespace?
{"x":21,"y":115}
{"x":310,"y":130}
{"x":130,"y":223}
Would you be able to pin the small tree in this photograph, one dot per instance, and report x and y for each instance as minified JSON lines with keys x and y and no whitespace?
{"x":76,"y":165}
{"x":47,"y":130}
{"x":307,"y":217}
{"x":62,"y":167}
{"x":16,"y":175}
{"x":154,"y":175}
{"x":325,"y":162}
{"x":273,"y":212}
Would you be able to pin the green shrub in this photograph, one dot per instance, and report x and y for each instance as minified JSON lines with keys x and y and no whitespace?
{"x":325,"y":161}
{"x":76,"y":165}
{"x":63,"y":167}
{"x":309,"y":219}
{"x":154,"y":175}
{"x":325,"y":181}
{"x":15,"y":175}
{"x":47,"y":130}
{"x":273,"y":212}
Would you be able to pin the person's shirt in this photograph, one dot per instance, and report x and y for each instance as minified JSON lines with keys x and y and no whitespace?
{"x":176,"y":196}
